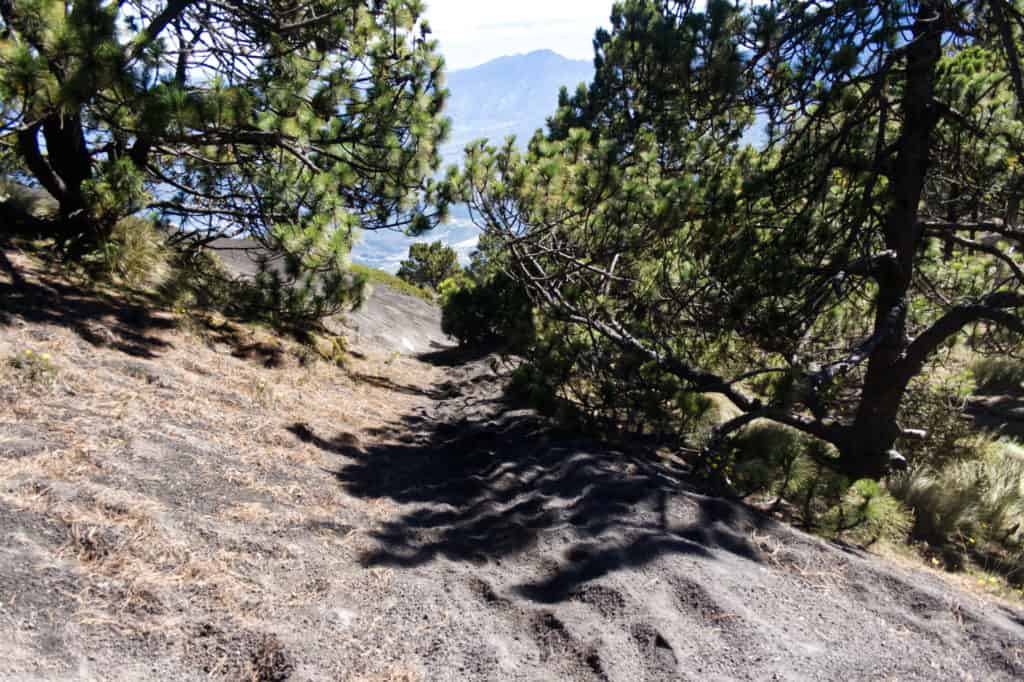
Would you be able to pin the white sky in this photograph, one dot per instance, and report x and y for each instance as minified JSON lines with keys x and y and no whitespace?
{"x":472,"y":32}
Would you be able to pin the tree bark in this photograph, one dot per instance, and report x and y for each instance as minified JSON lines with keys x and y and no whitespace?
{"x":865,"y":449}
{"x":62,"y":172}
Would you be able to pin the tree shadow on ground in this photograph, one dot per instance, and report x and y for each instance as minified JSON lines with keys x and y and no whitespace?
{"x":499,"y":482}
{"x":453,"y":356}
{"x":998,"y":415}
{"x":391,"y":385}
{"x":98,"y":319}
{"x":127,"y":322}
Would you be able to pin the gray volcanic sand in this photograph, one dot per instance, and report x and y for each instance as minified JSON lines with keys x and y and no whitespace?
{"x":173,"y":510}
{"x":561,"y":560}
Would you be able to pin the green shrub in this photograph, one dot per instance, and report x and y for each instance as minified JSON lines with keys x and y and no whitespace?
{"x":429,"y":264}
{"x":298,"y":303}
{"x":197,"y":280}
{"x":769,"y":459}
{"x":764,"y":459}
{"x":998,"y":375}
{"x":969,"y":503}
{"x":868,"y":513}
{"x":493,"y":312}
{"x":935,"y":405}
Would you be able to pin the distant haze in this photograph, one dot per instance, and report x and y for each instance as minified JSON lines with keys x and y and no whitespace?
{"x":472,"y":33}
{"x":511,"y":95}
{"x":508,"y":96}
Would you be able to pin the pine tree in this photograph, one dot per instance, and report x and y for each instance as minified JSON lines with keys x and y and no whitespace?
{"x":810,"y":278}
{"x":291,"y":122}
{"x":429,"y":264}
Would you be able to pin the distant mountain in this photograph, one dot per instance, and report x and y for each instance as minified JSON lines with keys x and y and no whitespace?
{"x":508,"y":96}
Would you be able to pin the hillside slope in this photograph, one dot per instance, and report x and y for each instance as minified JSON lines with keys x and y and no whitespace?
{"x":193,"y":503}
{"x":388,"y":321}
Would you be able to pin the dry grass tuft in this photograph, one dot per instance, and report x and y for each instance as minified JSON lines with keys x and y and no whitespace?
{"x":178,"y":492}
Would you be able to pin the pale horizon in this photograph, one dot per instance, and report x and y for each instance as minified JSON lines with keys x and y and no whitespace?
{"x":473,"y":33}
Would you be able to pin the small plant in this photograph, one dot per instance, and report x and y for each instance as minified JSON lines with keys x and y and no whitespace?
{"x":34,"y":368}
{"x":263,"y":394}
{"x":868,"y":513}
{"x":333,"y":349}
{"x":999,"y":375}
{"x":970,"y":507}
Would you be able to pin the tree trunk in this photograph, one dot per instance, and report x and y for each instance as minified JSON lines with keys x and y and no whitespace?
{"x":867,"y":445}
{"x":63,"y":171}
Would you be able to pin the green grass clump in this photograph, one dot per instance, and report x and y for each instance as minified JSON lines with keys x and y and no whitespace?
{"x":972,"y":506}
{"x":380,"y":277}
{"x":136,"y":254}
{"x":998,"y":375}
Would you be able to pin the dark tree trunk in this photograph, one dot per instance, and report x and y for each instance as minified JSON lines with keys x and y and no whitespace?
{"x":63,"y":171}
{"x":68,"y":154}
{"x":867,"y":444}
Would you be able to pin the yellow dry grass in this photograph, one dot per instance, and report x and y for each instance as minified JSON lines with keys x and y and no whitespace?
{"x":145,"y":568}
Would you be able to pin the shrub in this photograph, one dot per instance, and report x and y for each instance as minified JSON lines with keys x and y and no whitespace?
{"x":998,"y":375}
{"x":967,"y":504}
{"x":429,"y":264}
{"x":764,"y":459}
{"x":197,"y":280}
{"x":495,"y":311}
{"x":936,"y":405}
{"x":296,"y":304}
{"x":867,"y":513}
{"x":772,"y":460}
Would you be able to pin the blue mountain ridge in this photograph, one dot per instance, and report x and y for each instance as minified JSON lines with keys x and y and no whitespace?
{"x":510,"y":95}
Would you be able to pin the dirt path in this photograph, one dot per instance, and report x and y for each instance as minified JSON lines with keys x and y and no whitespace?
{"x":188,"y":504}
{"x":561,"y":560}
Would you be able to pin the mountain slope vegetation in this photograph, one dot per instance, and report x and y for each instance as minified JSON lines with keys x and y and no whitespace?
{"x":193,"y":500}
{"x":711,"y":409}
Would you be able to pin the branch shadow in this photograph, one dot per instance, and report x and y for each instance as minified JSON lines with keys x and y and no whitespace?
{"x":99,"y":320}
{"x":390,"y":385}
{"x":454,"y":356}
{"x":499,"y":482}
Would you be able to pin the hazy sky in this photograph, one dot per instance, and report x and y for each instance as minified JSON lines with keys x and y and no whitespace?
{"x":475,"y":31}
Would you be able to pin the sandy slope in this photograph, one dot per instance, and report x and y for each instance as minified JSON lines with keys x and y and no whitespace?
{"x":194,"y":503}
